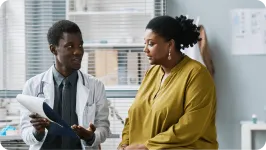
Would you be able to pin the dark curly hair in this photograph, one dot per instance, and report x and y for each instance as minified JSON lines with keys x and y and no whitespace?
{"x":180,"y":29}
{"x":55,"y":32}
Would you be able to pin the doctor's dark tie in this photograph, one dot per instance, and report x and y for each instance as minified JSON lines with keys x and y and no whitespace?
{"x":67,"y":112}
{"x":66,"y":109}
{"x":66,"y":102}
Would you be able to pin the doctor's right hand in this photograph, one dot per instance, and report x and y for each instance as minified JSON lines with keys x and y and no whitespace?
{"x":85,"y":134}
{"x":39,"y":123}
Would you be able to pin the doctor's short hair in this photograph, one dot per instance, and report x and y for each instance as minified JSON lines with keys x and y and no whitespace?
{"x":56,"y":31}
{"x":180,"y":29}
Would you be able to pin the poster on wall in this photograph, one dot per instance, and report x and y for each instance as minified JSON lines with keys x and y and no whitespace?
{"x":248,"y":31}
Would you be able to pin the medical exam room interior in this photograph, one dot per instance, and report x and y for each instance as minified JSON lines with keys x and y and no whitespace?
{"x":113,"y":32}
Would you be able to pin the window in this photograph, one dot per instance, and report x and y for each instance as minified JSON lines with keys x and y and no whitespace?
{"x":2,"y":44}
{"x":118,"y":112}
{"x":113,"y":35}
{"x":112,"y":31}
{"x":12,"y":45}
{"x":113,"y":43}
{"x":23,"y":45}
{"x":39,"y":16}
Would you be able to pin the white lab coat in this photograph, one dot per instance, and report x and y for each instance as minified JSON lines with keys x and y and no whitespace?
{"x":91,"y":106}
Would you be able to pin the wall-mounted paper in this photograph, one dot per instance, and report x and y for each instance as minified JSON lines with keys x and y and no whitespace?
{"x":248,"y":31}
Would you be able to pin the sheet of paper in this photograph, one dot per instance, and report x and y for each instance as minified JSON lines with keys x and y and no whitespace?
{"x":33,"y":104}
{"x":39,"y":106}
{"x":248,"y":32}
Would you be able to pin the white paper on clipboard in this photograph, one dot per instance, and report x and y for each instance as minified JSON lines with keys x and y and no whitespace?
{"x":33,"y":104}
{"x":39,"y":106}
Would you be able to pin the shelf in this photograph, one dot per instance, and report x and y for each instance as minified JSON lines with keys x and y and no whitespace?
{"x":111,"y":92}
{"x":8,"y":138}
{"x":102,"y":45}
{"x":246,"y":132}
{"x":107,"y":13}
{"x":123,"y":88}
{"x":260,"y":125}
{"x":18,"y":137}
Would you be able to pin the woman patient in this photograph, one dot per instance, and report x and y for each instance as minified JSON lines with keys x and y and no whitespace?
{"x":175,"y":106}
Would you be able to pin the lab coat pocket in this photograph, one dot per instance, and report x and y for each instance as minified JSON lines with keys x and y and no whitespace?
{"x":89,"y":114}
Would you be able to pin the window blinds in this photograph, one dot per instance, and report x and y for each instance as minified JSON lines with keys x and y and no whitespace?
{"x":39,"y":16}
{"x":113,"y":42}
{"x":113,"y":37}
{"x":112,"y":31}
{"x":23,"y":44}
{"x":2,"y":43}
{"x":12,"y":45}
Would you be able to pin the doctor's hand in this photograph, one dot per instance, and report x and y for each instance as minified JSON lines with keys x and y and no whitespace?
{"x":136,"y":147}
{"x":85,"y":134}
{"x":39,"y":123}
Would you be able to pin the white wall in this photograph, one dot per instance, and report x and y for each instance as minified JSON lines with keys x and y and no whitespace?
{"x":240,"y":80}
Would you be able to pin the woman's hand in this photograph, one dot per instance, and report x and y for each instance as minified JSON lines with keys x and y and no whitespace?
{"x":122,"y":147}
{"x":136,"y":147}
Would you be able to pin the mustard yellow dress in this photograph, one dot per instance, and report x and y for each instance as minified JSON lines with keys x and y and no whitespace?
{"x":180,"y":114}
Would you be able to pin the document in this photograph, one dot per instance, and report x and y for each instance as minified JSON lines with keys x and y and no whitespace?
{"x":248,"y":31}
{"x":39,"y":106}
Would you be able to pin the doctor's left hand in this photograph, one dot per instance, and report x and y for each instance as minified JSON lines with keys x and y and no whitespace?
{"x":85,"y":134}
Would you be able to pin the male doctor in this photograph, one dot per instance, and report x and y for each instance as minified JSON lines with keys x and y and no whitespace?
{"x":77,"y":97}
